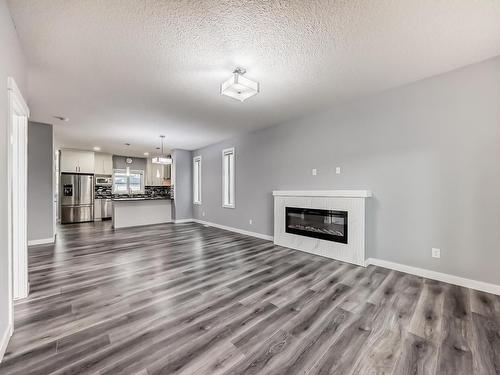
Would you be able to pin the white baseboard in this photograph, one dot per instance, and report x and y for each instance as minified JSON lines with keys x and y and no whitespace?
{"x":42,"y":241}
{"x":180,"y":221}
{"x":5,"y":340}
{"x":236,"y":230}
{"x":439,"y":276}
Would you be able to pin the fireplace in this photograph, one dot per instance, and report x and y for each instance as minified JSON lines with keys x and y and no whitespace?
{"x":331,"y":209}
{"x":328,"y":225}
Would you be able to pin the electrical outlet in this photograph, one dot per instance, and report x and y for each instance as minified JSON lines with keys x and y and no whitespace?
{"x":436,"y":253}
{"x":250,"y":221}
{"x":203,"y":213}
{"x":337,"y":170}
{"x":314,"y":171}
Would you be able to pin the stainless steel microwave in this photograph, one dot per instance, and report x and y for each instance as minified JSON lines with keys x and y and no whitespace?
{"x":103,"y":181}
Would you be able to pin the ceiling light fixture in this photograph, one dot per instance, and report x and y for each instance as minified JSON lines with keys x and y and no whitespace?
{"x":162,"y":159}
{"x":61,"y":118}
{"x":97,"y":148}
{"x":239,"y":87}
{"x":146,"y":154}
{"x":128,"y":160}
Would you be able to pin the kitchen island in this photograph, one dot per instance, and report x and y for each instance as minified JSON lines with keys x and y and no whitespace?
{"x":133,"y":212}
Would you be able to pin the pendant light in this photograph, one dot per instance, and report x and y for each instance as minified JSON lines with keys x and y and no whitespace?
{"x":128,"y":160}
{"x":162,"y":159}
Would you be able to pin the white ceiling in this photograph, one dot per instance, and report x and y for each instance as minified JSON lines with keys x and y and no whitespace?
{"x":128,"y":70}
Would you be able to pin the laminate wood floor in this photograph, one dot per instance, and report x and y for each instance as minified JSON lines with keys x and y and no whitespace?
{"x":189,"y":299}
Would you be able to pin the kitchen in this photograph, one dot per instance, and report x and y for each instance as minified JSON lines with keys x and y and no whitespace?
{"x":128,"y":190}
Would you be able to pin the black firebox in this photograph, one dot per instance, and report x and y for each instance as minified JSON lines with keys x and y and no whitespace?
{"x":328,"y":225}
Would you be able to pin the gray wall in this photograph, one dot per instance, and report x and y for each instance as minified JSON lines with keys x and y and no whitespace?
{"x":138,"y":164}
{"x":11,"y":64}
{"x":429,"y":151}
{"x":183,"y":184}
{"x":40,"y":178}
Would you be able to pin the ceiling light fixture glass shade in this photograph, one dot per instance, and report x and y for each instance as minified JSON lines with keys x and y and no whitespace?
{"x":162,"y":159}
{"x":239,"y":87}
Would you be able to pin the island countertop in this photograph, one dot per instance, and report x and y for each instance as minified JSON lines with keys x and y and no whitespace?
{"x":138,"y":211}
{"x":141,"y":199}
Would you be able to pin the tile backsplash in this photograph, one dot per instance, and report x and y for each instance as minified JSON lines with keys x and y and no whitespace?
{"x":157,"y":191}
{"x":102,"y":192}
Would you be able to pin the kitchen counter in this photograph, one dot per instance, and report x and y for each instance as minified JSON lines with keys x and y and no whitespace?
{"x":138,"y":211}
{"x":141,"y":199}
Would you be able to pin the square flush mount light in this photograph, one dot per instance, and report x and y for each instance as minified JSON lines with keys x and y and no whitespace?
{"x":239,"y":87}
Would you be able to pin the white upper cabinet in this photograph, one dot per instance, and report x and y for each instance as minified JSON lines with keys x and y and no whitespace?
{"x":156,"y":174}
{"x":98,"y":163}
{"x":87,"y":162}
{"x":108,"y":164}
{"x":69,"y":161}
{"x":77,"y":161}
{"x":103,"y":163}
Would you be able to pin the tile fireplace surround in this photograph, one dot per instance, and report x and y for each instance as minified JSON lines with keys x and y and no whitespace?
{"x":352,"y":201}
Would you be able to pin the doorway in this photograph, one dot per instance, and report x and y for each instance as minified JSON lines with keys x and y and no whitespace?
{"x":18,"y":114}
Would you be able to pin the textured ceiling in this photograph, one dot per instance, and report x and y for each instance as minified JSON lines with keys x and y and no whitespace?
{"x":129,"y":70}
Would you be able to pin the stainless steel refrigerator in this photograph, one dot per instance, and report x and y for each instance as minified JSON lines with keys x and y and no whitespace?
{"x":77,"y":198}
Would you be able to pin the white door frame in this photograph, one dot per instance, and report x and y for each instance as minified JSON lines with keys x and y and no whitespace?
{"x":18,"y":113}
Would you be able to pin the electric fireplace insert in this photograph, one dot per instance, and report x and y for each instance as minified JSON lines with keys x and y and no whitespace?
{"x":327,"y":225}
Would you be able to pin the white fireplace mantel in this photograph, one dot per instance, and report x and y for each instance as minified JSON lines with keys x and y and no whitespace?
{"x":352,"y":201}
{"x":324,"y":193}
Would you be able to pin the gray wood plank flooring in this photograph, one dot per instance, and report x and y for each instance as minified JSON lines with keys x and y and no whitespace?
{"x":189,"y":299}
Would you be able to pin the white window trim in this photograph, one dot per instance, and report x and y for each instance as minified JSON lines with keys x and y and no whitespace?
{"x":233,"y":192}
{"x":17,"y":253}
{"x":197,"y":159}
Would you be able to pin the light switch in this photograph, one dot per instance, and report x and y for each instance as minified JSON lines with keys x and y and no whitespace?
{"x":337,"y":170}
{"x":314,"y":171}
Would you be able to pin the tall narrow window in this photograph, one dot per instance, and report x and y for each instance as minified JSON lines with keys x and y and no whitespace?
{"x":197,"y":180}
{"x":228,"y":178}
